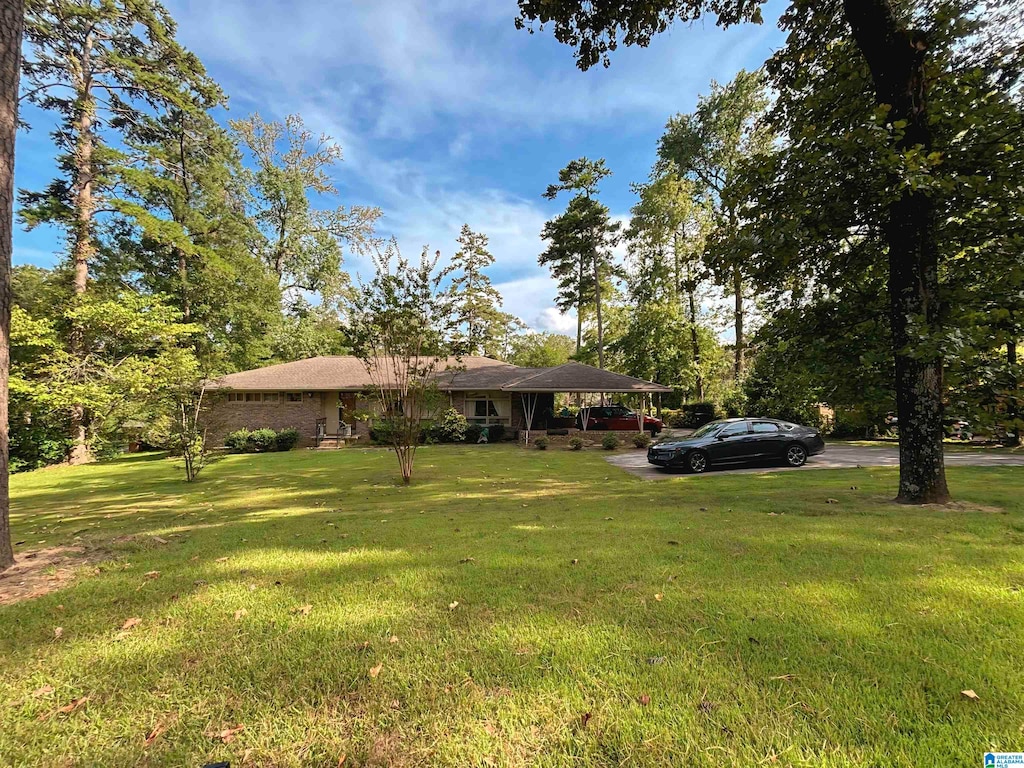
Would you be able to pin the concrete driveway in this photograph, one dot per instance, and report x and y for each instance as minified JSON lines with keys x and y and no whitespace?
{"x":834,"y":457}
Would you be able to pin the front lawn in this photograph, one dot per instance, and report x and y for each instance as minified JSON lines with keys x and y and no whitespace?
{"x":513,"y":608}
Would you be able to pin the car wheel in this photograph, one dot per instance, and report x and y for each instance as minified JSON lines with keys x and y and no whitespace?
{"x":697,"y":461}
{"x":796,"y":455}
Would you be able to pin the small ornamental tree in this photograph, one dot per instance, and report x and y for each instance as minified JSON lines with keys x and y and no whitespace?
{"x":401,"y":324}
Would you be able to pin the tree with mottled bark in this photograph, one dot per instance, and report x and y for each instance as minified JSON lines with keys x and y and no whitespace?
{"x":12,"y":19}
{"x":102,"y":66}
{"x":895,"y":47}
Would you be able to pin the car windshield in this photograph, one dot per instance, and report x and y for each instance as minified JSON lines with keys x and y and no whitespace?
{"x":707,"y":429}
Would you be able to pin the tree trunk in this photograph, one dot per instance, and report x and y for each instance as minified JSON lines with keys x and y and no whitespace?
{"x":12,"y":20}
{"x":82,"y":248}
{"x":737,"y":287}
{"x":597,"y":309}
{"x":1012,"y":411}
{"x":579,"y":310}
{"x":694,"y":340}
{"x":896,"y":59}
{"x":186,"y":307}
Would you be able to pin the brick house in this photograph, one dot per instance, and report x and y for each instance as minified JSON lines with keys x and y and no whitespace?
{"x":328,"y":399}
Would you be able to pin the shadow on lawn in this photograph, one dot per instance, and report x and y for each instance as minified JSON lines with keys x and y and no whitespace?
{"x":751,"y":602}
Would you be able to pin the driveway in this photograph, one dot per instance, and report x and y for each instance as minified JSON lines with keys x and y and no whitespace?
{"x":834,"y":457}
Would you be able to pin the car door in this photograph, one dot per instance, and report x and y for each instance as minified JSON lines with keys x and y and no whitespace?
{"x":730,"y":443}
{"x":766,"y":440}
{"x":621,"y":419}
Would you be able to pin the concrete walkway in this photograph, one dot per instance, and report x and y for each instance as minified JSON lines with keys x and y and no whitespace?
{"x":834,"y":457}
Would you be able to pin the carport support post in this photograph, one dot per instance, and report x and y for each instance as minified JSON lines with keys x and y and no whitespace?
{"x":529,"y":406}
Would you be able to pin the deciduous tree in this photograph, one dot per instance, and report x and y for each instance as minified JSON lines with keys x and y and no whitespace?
{"x":12,"y":20}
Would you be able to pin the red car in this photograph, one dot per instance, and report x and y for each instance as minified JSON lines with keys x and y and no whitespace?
{"x":617,"y":417}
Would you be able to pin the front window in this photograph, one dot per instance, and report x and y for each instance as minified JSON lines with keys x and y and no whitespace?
{"x":735,"y":429}
{"x":708,"y":429}
{"x":482,"y":408}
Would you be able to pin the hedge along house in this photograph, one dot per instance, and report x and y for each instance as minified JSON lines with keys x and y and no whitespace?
{"x":329,"y":399}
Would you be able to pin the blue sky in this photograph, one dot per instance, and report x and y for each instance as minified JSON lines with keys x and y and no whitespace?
{"x":447,"y":114}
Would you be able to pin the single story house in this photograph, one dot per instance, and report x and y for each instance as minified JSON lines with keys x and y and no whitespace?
{"x":330,"y":398}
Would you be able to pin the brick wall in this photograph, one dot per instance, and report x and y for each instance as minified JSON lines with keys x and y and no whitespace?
{"x":222,"y":418}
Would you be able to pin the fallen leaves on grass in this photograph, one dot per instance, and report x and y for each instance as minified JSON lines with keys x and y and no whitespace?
{"x":393,"y":639}
{"x":155,"y":734}
{"x":585,"y":718}
{"x":221,"y":560}
{"x":58,"y":632}
{"x":453,"y":605}
{"x":160,"y":540}
{"x":466,"y":560}
{"x":303,"y":609}
{"x":786,"y":676}
{"x":37,"y":693}
{"x":67,"y":709}
{"x":831,"y":501}
{"x":374,"y":671}
{"x":134,"y":621}
{"x":970,"y":694}
{"x":152,"y":574}
{"x":228,"y":734}
{"x":644,"y":699}
{"x":659,"y":597}
{"x":240,"y":613}
{"x":575,"y":561}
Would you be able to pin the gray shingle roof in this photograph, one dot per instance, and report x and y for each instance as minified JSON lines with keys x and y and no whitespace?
{"x":343,"y":373}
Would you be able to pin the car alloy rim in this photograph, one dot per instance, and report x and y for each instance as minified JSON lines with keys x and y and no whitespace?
{"x":796,"y":455}
{"x":697,"y":462}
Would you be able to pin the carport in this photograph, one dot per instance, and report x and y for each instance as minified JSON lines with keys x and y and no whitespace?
{"x":585,"y":383}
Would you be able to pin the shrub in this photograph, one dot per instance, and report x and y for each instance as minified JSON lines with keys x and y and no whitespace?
{"x":698,"y":414}
{"x":382,"y":432}
{"x":450,"y":427}
{"x":641,"y":440}
{"x":473,"y":433}
{"x":286,"y":439}
{"x":541,"y":443}
{"x":610,"y":442}
{"x":237,"y":440}
{"x":496,"y":433}
{"x":261,"y":440}
{"x":576,"y":443}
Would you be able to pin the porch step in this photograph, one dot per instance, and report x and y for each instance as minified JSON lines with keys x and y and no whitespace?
{"x":333,"y":443}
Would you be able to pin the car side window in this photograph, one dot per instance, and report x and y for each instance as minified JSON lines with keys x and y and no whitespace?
{"x":764,"y":427}
{"x":735,"y":429}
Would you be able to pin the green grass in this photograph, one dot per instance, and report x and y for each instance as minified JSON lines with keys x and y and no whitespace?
{"x":790,"y":631}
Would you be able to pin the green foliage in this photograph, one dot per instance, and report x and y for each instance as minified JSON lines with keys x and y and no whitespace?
{"x":482,"y":324}
{"x":541,"y":350}
{"x":286,"y":439}
{"x":610,"y":442}
{"x":301,"y":245}
{"x":696,"y":415}
{"x":401,"y":325}
{"x":641,"y":440}
{"x":541,"y":443}
{"x":262,"y":440}
{"x":579,"y":247}
{"x":576,"y":443}
{"x":449,"y":427}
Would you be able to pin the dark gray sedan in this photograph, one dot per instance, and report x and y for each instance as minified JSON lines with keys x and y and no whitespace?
{"x":738,"y":441}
